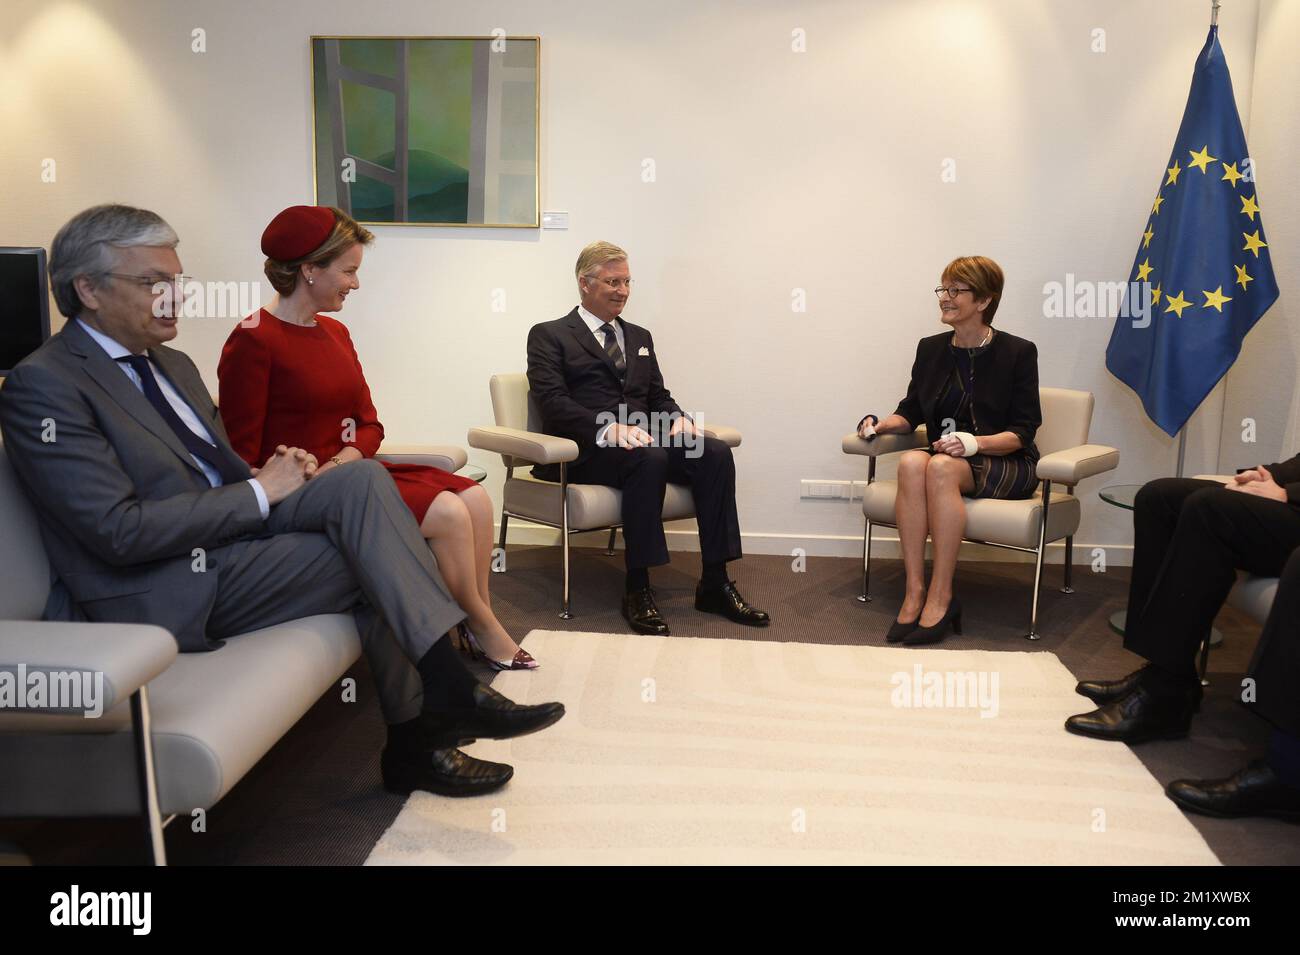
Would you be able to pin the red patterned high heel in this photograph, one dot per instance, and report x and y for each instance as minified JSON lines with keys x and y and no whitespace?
{"x":522,"y":660}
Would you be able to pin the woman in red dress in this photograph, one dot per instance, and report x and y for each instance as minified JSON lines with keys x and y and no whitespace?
{"x":289,"y":375}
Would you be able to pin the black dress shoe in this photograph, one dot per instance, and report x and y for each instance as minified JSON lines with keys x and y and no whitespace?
{"x":492,"y":716}
{"x":1140,"y":716}
{"x":1107,"y":691}
{"x":1252,"y":791}
{"x":447,"y":772}
{"x":640,"y":611}
{"x":726,"y":600}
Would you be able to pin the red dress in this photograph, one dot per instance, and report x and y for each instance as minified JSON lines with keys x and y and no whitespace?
{"x":302,"y":385}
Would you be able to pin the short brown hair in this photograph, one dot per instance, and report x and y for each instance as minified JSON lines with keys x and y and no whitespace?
{"x":595,"y":255}
{"x":983,"y":275}
{"x":347,"y":232}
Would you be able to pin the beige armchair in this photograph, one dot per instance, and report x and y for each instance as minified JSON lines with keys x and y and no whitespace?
{"x":573,"y":508}
{"x":1027,"y":526}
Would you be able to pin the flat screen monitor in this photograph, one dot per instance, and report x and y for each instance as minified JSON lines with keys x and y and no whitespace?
{"x":24,"y":304}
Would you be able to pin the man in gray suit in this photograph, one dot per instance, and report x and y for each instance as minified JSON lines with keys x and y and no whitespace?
{"x":118,"y":444}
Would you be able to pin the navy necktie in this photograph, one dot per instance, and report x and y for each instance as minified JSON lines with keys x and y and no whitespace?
{"x":193,"y":443}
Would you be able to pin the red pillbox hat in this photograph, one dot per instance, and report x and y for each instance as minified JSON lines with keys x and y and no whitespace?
{"x":297,"y":232}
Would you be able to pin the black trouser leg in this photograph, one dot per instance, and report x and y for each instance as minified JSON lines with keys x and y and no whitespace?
{"x":1275,"y":667}
{"x":1155,"y":515}
{"x":642,"y":475}
{"x":710,"y":471}
{"x":1216,"y":533}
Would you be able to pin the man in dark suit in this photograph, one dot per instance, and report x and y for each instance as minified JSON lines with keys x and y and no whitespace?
{"x":1190,"y":538}
{"x":596,"y":380}
{"x":116,"y":441}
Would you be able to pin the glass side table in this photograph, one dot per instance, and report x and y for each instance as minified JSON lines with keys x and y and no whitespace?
{"x":1124,"y":495}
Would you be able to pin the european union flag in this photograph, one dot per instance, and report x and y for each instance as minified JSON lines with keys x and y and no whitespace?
{"x":1203,"y":258}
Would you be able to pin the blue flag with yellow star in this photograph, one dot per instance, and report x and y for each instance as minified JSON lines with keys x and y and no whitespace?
{"x":1203,"y":263}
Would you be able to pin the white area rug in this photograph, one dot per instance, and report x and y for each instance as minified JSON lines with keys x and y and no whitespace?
{"x":682,"y":751}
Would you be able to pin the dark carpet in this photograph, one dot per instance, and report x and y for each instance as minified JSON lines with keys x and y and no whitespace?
{"x":316,"y":798}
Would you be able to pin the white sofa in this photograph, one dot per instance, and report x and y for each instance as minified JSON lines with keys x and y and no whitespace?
{"x":209,"y":716}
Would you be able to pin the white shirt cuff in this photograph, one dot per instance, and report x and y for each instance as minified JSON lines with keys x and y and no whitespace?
{"x":262,"y":504}
{"x":600,"y":438}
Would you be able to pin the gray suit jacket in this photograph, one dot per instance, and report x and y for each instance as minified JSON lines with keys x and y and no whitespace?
{"x":121,"y":503}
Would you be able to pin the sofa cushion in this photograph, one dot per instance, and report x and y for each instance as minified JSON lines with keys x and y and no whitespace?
{"x":1014,"y":523}
{"x":590,"y":505}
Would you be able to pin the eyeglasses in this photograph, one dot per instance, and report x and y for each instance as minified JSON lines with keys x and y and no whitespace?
{"x":952,"y":290}
{"x":150,"y":281}
{"x":617,"y":283}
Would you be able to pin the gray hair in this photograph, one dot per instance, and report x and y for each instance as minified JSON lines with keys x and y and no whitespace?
{"x":84,"y":246}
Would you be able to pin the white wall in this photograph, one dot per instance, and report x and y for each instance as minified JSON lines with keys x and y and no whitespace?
{"x":776,"y":170}
{"x":1261,"y":385}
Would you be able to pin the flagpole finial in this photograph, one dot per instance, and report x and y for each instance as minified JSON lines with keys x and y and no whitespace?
{"x":1214,"y":12}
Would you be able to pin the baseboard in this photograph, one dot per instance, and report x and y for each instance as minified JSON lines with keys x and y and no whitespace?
{"x":824,"y":545}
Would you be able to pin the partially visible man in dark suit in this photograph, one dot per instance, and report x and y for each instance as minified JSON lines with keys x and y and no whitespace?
{"x":596,"y":380}
{"x":116,"y":441}
{"x":1190,"y":538}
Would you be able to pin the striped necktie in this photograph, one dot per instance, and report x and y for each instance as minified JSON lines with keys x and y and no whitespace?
{"x":612,"y":350}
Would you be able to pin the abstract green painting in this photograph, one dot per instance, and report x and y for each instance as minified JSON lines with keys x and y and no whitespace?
{"x":428,"y":130}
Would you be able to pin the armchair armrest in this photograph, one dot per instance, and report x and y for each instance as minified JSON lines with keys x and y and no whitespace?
{"x":528,"y":445}
{"x":128,"y":655}
{"x":1221,"y":478}
{"x":449,"y":457}
{"x":727,"y":435}
{"x":1074,"y":464}
{"x":885,"y":443}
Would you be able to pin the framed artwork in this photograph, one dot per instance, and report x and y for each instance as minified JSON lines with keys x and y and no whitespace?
{"x":435,"y":131}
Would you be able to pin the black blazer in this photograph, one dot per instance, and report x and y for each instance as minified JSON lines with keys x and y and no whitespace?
{"x":1005,"y":390}
{"x":573,"y":382}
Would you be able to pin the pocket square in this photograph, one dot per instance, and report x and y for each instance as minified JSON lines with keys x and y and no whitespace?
{"x":643,"y":352}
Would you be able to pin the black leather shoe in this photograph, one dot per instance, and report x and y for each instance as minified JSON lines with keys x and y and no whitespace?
{"x":447,"y":772}
{"x":640,"y":611}
{"x":492,"y":716}
{"x":1252,"y":791}
{"x":1140,"y":716}
{"x":1107,"y":691}
{"x":726,"y":600}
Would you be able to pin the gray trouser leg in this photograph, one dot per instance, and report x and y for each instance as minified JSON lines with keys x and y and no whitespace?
{"x":358,"y":508}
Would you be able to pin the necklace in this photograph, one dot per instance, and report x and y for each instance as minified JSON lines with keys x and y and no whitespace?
{"x":987,"y":338}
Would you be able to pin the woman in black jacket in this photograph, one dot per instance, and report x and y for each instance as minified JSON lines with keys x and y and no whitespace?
{"x":976,"y":391}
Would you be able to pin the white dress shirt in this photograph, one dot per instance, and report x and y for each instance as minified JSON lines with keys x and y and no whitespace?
{"x":182,"y":408}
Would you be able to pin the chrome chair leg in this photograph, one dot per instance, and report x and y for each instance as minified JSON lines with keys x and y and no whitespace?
{"x":865,"y":596}
{"x":505,"y":522}
{"x":609,"y":549}
{"x":1069,"y":565}
{"x":145,"y":775}
{"x":1069,"y":557}
{"x":1203,"y":662}
{"x":1038,"y":564}
{"x":564,"y":534}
